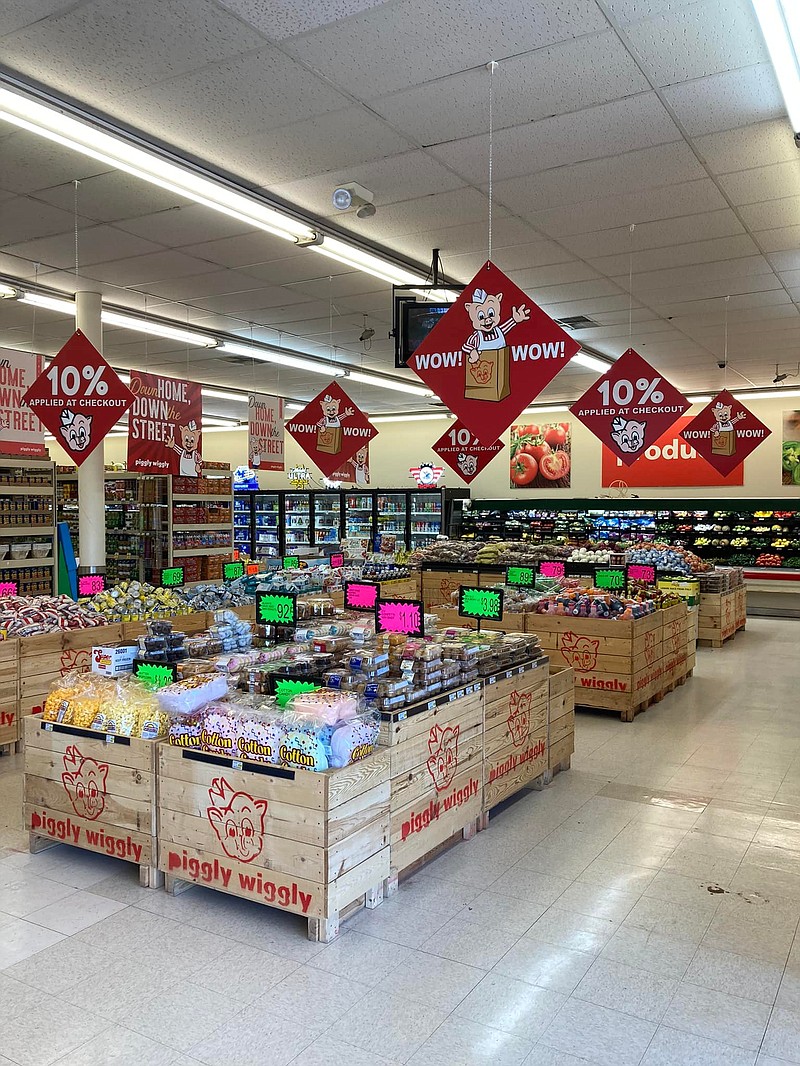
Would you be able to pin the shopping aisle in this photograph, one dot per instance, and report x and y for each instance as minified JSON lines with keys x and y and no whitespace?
{"x":643,"y":909}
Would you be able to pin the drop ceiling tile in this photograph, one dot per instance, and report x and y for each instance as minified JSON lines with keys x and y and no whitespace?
{"x":515,"y":257}
{"x":723,"y":101}
{"x":660,"y":280}
{"x":247,"y":249}
{"x":672,"y":201}
{"x":772,"y":214}
{"x":342,"y":285}
{"x":111,"y":196}
{"x":786,"y":239}
{"x":302,"y":266}
{"x":785,"y":260}
{"x":256,"y":305}
{"x":141,"y":269}
{"x":278,"y":19}
{"x":24,"y":219}
{"x":429,"y":214}
{"x":609,"y":129}
{"x":15,"y":17}
{"x":678,"y":255}
{"x":96,"y":244}
{"x":31,"y":163}
{"x":711,"y":288}
{"x":560,"y":308}
{"x":770,"y":299}
{"x":790,"y":278}
{"x":690,"y":42}
{"x":534,"y":278}
{"x":402,"y":44}
{"x":762,"y":183}
{"x":636,"y":10}
{"x":185,"y":225}
{"x":751,"y":146}
{"x":455,"y":240}
{"x":548,"y":81}
{"x":663,"y":233}
{"x":211,"y":283}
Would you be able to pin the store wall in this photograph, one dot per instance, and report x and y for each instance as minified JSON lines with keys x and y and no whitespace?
{"x":400,"y":445}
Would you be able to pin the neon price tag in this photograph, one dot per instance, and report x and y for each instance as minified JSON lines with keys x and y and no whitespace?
{"x":251,"y":569}
{"x":400,"y":616}
{"x":520,"y":576}
{"x":171,"y":577}
{"x":155,"y":675}
{"x":337,"y":561}
{"x":279,"y":608}
{"x":551,"y":568}
{"x":609,"y":579}
{"x":358,"y":594}
{"x":91,"y":584}
{"x":8,"y":588}
{"x":291,"y":562}
{"x":481,"y":603}
{"x":232,"y":571}
{"x":641,"y":572}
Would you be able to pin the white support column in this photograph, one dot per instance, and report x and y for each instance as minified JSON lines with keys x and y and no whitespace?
{"x":91,"y":473}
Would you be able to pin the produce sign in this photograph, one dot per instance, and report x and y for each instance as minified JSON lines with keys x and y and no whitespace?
{"x":278,"y":608}
{"x":642,"y":573}
{"x":164,"y":434}
{"x":630,"y":407}
{"x":265,"y":432}
{"x":725,"y":432}
{"x":400,"y":616}
{"x":79,"y":397}
{"x":290,"y":562}
{"x":541,"y":456}
{"x":232,"y":571}
{"x":21,"y":432}
{"x":608,"y":578}
{"x":286,"y":689}
{"x":463,"y":451}
{"x":358,"y":594}
{"x":8,"y":588}
{"x":481,"y":603}
{"x":337,"y":561}
{"x":251,"y":569}
{"x":551,"y":568}
{"x":172,"y":577}
{"x":331,"y":429}
{"x":578,"y":569}
{"x":520,"y":576}
{"x":154,"y":675}
{"x":667,"y":461}
{"x":492,"y":354}
{"x":91,"y":584}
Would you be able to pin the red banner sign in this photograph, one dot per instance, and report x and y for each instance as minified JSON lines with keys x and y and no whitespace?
{"x":164,"y":434}
{"x":331,"y":429}
{"x":725,"y":432}
{"x":670,"y":461}
{"x":463,"y":451}
{"x":21,"y":432}
{"x":492,"y":354}
{"x":630,"y":407}
{"x":79,"y":397}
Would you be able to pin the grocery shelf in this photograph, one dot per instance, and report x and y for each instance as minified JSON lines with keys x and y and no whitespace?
{"x":192,"y":526}
{"x":21,"y":564}
{"x":200,"y":497}
{"x":27,"y":531}
{"x":181,"y":552}
{"x":26,"y":490}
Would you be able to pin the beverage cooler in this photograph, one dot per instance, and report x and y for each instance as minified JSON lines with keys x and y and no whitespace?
{"x":256,"y":524}
{"x":413,"y":518}
{"x":359,"y":512}
{"x":391,"y":521}
{"x":327,"y":510}
{"x":243,"y":522}
{"x":296,"y":523}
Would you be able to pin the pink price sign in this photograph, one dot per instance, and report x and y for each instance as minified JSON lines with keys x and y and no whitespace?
{"x":91,"y":584}
{"x":639,"y":572}
{"x":401,"y":616}
{"x":358,"y":594}
{"x":8,"y":588}
{"x":337,"y":561}
{"x":551,"y":569}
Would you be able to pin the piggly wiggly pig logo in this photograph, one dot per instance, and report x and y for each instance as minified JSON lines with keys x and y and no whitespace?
{"x":85,"y":782}
{"x":519,"y":717}
{"x":628,"y":435}
{"x":443,"y":761}
{"x":239,"y":824}
{"x":76,"y":429}
{"x":579,"y":652}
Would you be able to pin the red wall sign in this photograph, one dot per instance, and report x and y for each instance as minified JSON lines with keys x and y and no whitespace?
{"x":79,"y":397}
{"x":492,"y":354}
{"x":21,"y":432}
{"x":630,"y":406}
{"x":331,"y":429}
{"x":463,"y":451}
{"x":670,"y":461}
{"x":165,"y":426}
{"x":725,"y":432}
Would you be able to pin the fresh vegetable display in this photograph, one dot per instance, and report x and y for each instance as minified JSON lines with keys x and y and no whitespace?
{"x":541,"y":456}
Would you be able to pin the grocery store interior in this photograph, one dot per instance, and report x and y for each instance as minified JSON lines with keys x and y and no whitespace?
{"x":399,"y":533}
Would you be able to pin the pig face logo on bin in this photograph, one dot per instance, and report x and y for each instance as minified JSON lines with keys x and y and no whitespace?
{"x":579,"y":652}
{"x":85,"y":782}
{"x":237,"y":819}
{"x":443,"y":761}
{"x":519,"y":717}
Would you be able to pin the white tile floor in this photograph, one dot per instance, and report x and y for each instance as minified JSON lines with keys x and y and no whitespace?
{"x":580,"y":929}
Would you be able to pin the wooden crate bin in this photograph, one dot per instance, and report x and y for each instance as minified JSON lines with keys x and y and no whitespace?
{"x":449,"y":616}
{"x":740,"y":609}
{"x":716,"y":618}
{"x":92,"y":791}
{"x":305,"y":842}
{"x":675,"y":644}
{"x":515,"y":753}
{"x":9,"y":693}
{"x":437,"y":586}
{"x":618,"y":664}
{"x":561,"y":728}
{"x":435,"y":752}
{"x":194,"y":622}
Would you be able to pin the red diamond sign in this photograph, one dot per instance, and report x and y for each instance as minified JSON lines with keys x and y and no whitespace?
{"x":492,"y":354}
{"x":630,"y":407}
{"x":331,"y":429}
{"x":725,"y":432}
{"x":464,"y":452}
{"x":79,"y":397}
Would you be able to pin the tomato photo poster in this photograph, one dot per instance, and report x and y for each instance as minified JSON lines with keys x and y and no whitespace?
{"x":790,"y":454}
{"x":541,"y":455}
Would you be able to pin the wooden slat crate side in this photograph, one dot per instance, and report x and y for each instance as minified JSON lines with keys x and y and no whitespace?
{"x":515,"y":732}
{"x":9,"y":650}
{"x":54,"y":739}
{"x":500,"y":686}
{"x":419,"y":721}
{"x":139,"y":848}
{"x":609,"y":629}
{"x":371,"y":872}
{"x":450,"y":618}
{"x":420,"y":826}
{"x":352,"y":781}
{"x":674,"y":613}
{"x":345,"y":819}
{"x":9,"y":731}
{"x":561,"y":728}
{"x":561,"y":751}
{"x":528,"y":702}
{"x":347,"y":854}
{"x":122,"y":812}
{"x":562,"y":679}
{"x":418,"y":786}
{"x":247,"y":612}
{"x":559,"y":706}
{"x":123,"y":782}
{"x":416,"y":753}
{"x":69,"y":640}
{"x":513,"y":769}
{"x":438,"y":586}
{"x":405,"y":588}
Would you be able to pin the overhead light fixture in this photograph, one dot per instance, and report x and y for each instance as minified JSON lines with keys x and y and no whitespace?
{"x":547,"y":409}
{"x":220,"y":420}
{"x":767,"y":394}
{"x":591,"y":362}
{"x":158,"y":329}
{"x":218,"y":394}
{"x":7,"y":293}
{"x":366,"y":261}
{"x":293,"y":407}
{"x":387,"y":383}
{"x":780,"y":26}
{"x":411,"y":418}
{"x":120,"y":152}
{"x":437,"y":296}
{"x":49,"y":303}
{"x":699,"y":399}
{"x":281,"y":358}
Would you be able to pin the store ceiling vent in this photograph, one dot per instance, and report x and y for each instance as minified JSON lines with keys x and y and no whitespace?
{"x":578,"y":322}
{"x":239,"y":360}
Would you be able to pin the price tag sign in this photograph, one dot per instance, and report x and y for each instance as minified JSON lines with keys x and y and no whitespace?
{"x":172,"y":577}
{"x":91,"y":584}
{"x":360,"y":594}
{"x":251,"y":569}
{"x":232,"y":571}
{"x":400,"y":616}
{"x":606,"y":577}
{"x":291,"y":562}
{"x":277,"y":608}
{"x":520,"y":576}
{"x":8,"y":588}
{"x":551,"y":568}
{"x":481,"y":603}
{"x":644,"y":573}
{"x":337,"y":561}
{"x":579,"y":570}
{"x":155,"y":675}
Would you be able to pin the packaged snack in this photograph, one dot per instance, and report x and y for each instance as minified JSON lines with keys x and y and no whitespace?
{"x":185,"y":728}
{"x":325,"y":706}
{"x":355,"y":740}
{"x":192,"y":692}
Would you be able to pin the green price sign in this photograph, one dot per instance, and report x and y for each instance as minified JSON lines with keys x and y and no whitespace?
{"x":286,"y":689}
{"x":521,"y":576}
{"x":609,"y":579}
{"x":291,"y":562}
{"x":232,"y":571}
{"x":480,"y":603}
{"x":172,"y":576}
{"x":277,"y":608}
{"x":154,"y":675}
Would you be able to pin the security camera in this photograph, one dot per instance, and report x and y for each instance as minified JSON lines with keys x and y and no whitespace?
{"x":722,"y":363}
{"x":367,"y":334}
{"x":779,"y":378}
{"x":354,"y":197}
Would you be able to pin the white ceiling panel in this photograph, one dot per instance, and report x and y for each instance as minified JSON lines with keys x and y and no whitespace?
{"x":624,"y":11}
{"x":786,"y":239}
{"x":16,"y":16}
{"x":247,"y":249}
{"x":429,"y":214}
{"x":751,"y":146}
{"x":785,"y":260}
{"x":661,"y":280}
{"x":473,"y":237}
{"x":30,"y":163}
{"x":686,"y":42}
{"x":111,"y":196}
{"x":184,"y":225}
{"x":723,"y":101}
{"x":517,"y":257}
{"x":253,"y":304}
{"x":143,"y":269}
{"x":772,"y":214}
{"x":96,"y":244}
{"x":215,"y":282}
{"x":677,"y":255}
{"x":664,"y":233}
{"x":763,"y":183}
{"x":287,"y":18}
{"x":22,"y":219}
{"x":771,"y":298}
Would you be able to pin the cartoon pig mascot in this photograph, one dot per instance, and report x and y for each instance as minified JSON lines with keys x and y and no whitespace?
{"x":628,"y":436}
{"x":443,"y":761}
{"x":85,"y":782}
{"x":240,"y":824}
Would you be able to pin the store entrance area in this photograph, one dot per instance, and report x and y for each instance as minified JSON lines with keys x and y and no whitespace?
{"x":642,"y":908}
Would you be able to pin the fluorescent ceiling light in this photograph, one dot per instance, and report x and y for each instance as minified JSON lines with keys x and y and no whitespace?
{"x":293,"y":406}
{"x":218,"y":394}
{"x":158,"y":329}
{"x":7,"y":293}
{"x":370,"y":264}
{"x":591,"y":362}
{"x":411,"y":418}
{"x":118,"y":152}
{"x":546,"y":410}
{"x":436,"y":296}
{"x":281,"y":358}
{"x":219,"y":420}
{"x":780,"y":25}
{"x":387,"y":383}
{"x":699,"y":399}
{"x":49,"y":303}
{"x":767,"y":394}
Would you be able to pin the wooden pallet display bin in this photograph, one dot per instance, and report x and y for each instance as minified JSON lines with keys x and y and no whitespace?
{"x":618,"y":663}
{"x":740,"y":609}
{"x":91,"y":791}
{"x":515,"y":745}
{"x":9,"y":694}
{"x":717,"y":618}
{"x":404,"y":588}
{"x":561,"y":715}
{"x":437,"y":586}
{"x":313,"y":844}
{"x":449,"y":616}
{"x":675,"y":644}
{"x":435,"y":754}
{"x":247,"y":612}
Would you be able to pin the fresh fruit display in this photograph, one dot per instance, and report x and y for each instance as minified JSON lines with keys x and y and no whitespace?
{"x":768,"y":559}
{"x":790,"y":460}
{"x":589,"y":555}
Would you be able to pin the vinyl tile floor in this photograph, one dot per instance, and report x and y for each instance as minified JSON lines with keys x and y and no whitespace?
{"x":643,"y":909}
